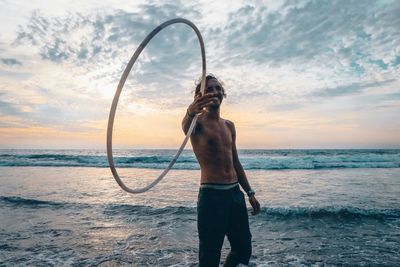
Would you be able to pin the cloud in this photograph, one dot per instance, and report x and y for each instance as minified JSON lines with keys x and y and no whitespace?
{"x":276,"y":57}
{"x":10,"y":61}
{"x":16,"y":75}
{"x":350,"y":89}
{"x":95,"y":41}
{"x":78,"y":36}
{"x":286,"y":107}
{"x":313,"y":30}
{"x":9,"y":108}
{"x":339,"y":36}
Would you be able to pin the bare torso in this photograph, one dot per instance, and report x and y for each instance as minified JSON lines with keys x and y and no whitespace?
{"x":212,"y":143}
{"x":214,"y":140}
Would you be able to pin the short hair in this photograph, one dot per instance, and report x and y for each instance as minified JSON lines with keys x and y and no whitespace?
{"x":208,"y":77}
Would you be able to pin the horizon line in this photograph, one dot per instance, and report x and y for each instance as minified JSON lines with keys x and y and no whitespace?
{"x":147,"y":148}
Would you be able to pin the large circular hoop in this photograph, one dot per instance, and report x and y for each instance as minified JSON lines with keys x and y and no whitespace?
{"x":118,"y":93}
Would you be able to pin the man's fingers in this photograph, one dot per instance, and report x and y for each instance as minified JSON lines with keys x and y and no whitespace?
{"x":205,"y":97}
{"x":256,"y":207}
{"x":255,"y":212}
{"x":207,"y":102}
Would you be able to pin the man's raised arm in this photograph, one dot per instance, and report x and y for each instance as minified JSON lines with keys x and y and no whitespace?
{"x":187,"y":120}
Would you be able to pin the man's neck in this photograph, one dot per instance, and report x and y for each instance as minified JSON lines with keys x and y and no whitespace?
{"x":212,"y":113}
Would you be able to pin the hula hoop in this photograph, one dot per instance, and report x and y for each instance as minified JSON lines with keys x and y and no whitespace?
{"x":118,"y":93}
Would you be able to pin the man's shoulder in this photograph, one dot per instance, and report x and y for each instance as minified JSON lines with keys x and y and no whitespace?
{"x":226,"y":121}
{"x":229,"y":123}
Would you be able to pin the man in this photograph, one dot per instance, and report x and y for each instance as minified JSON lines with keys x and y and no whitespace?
{"x":221,"y":208}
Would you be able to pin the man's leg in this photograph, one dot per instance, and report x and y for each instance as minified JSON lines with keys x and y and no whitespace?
{"x":212,"y":221}
{"x":238,"y":233}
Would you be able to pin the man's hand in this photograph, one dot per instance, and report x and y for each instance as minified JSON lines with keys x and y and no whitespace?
{"x":255,"y":204}
{"x":201,"y":102}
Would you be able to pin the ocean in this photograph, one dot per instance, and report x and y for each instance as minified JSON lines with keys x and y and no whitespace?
{"x":319,"y":208}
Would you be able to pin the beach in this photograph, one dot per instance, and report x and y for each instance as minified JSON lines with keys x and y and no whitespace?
{"x":75,"y":214}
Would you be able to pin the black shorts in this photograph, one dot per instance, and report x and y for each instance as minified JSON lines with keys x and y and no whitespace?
{"x":220,"y":213}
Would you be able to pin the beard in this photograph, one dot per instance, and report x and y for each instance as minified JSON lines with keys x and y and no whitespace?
{"x":214,"y":106}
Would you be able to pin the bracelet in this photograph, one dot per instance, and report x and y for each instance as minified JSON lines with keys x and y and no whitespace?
{"x":191,"y":116}
{"x":251,"y":193}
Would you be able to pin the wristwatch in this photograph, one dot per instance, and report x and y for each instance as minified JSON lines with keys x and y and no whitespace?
{"x":251,"y":193}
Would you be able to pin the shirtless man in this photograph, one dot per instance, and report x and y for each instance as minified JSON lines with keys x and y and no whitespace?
{"x":221,"y":208}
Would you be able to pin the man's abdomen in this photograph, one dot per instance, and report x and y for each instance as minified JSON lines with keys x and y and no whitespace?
{"x":221,"y":174}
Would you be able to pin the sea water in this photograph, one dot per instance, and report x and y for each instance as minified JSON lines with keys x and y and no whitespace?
{"x":319,"y":208}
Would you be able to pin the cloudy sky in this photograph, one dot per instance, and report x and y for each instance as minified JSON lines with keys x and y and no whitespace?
{"x":298,"y":74}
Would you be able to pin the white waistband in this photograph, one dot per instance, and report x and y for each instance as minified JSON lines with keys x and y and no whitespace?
{"x":219,"y":186}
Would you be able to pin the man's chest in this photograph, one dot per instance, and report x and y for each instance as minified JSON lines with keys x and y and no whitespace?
{"x":213,"y":136}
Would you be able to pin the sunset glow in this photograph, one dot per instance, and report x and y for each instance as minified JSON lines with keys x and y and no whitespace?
{"x":298,"y":75}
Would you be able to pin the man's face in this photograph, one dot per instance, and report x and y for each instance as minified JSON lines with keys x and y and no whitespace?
{"x":214,"y":87}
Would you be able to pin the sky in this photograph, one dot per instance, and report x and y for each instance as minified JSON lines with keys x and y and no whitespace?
{"x":298,"y":74}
